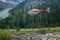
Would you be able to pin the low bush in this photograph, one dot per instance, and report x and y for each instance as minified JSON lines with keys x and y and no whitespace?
{"x":5,"y":36}
{"x":43,"y":31}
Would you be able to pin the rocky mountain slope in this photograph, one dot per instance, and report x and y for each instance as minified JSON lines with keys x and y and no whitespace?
{"x":6,"y":5}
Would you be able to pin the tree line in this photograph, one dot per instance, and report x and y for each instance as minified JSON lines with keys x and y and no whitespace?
{"x":21,"y":19}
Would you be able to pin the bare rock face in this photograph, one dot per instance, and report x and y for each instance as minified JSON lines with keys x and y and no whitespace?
{"x":36,"y":36}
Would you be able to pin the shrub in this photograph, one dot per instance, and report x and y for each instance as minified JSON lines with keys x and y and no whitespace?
{"x":5,"y":35}
{"x":18,"y":29}
{"x":43,"y":31}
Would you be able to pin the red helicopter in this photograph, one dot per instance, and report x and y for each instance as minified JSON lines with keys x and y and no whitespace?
{"x":36,"y":11}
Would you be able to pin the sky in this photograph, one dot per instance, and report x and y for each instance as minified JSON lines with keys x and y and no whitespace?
{"x":12,"y":1}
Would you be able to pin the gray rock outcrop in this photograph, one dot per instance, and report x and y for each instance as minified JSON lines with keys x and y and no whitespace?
{"x":36,"y":36}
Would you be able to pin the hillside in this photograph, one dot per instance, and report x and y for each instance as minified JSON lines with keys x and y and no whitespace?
{"x":19,"y":18}
{"x":1,"y":8}
{"x":6,"y":5}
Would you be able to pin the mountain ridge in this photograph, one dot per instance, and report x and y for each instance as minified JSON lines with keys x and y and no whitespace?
{"x":6,"y":5}
{"x":12,"y":1}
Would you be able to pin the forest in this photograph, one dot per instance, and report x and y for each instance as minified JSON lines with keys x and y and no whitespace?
{"x":1,"y":8}
{"x":19,"y":18}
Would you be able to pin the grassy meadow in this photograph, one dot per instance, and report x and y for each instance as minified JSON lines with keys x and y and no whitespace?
{"x":6,"y":34}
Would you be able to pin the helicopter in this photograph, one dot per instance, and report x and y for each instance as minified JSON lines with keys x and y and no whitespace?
{"x":36,"y":11}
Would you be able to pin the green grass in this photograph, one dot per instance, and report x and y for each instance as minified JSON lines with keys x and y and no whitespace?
{"x":14,"y":31}
{"x":6,"y":34}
